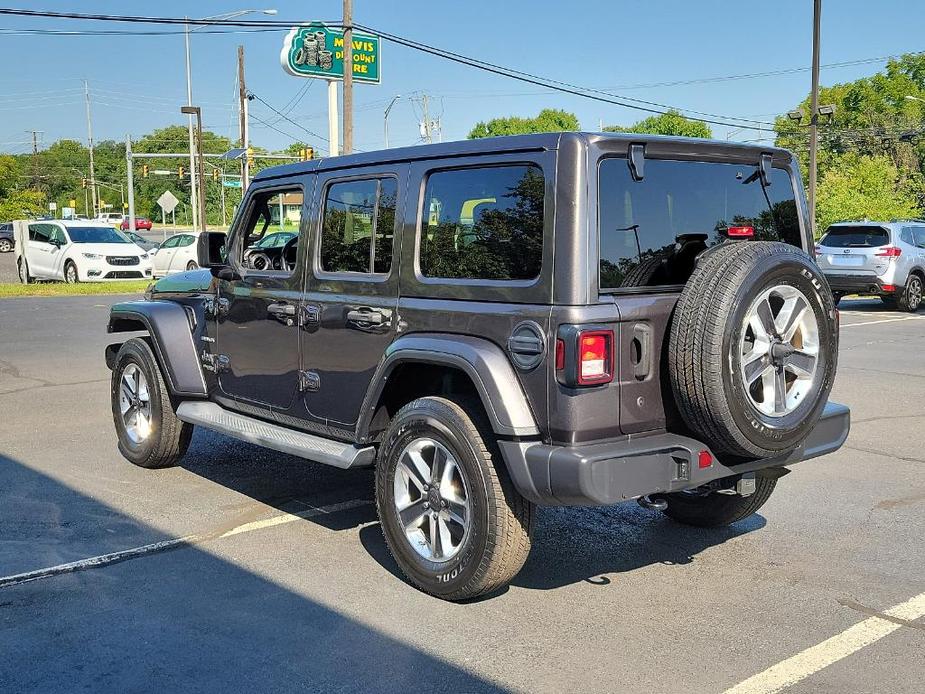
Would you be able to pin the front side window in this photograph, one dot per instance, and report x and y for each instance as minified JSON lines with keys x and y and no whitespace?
{"x":171,"y":242}
{"x":358,"y":226}
{"x":271,"y":212}
{"x":40,"y":233}
{"x":185,"y":240}
{"x":483,"y":223}
{"x":651,"y":231}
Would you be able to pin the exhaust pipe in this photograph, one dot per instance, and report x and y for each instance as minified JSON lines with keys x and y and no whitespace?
{"x":648,"y":502}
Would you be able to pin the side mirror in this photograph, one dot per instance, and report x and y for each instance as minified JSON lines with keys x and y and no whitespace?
{"x":210,"y":249}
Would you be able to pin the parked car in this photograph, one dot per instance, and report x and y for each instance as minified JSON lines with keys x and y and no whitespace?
{"x":142,"y":223}
{"x":6,"y":237}
{"x":267,"y":253}
{"x":112,"y":218}
{"x":141,"y":241}
{"x":176,"y":254}
{"x":556,"y":319}
{"x":76,"y":252}
{"x":885,"y":259}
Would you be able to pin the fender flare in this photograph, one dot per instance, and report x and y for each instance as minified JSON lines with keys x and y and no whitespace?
{"x":482,"y":361}
{"x":168,"y":324}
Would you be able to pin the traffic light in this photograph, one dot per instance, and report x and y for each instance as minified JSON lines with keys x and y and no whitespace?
{"x":181,"y":171}
{"x":250,"y":156}
{"x":214,"y":174}
{"x":144,"y":171}
{"x":307,"y":153}
{"x":83,"y":182}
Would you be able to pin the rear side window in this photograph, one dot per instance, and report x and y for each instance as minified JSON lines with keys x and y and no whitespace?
{"x":651,"y":231}
{"x":483,"y":223}
{"x":860,"y":236}
{"x":918,"y":235}
{"x":359,"y":225}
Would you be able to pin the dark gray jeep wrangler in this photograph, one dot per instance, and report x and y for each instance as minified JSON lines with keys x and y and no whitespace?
{"x":559,"y":319}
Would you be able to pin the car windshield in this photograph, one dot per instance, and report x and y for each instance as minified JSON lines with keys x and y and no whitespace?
{"x":96,"y":235}
{"x":855,"y":237}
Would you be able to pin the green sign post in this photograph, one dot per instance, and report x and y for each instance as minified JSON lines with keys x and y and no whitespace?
{"x":314,"y":50}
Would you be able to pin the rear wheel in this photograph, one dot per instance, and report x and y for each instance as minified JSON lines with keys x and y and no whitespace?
{"x":450,"y":515}
{"x":150,"y":435}
{"x":714,"y":509}
{"x":5,"y":246}
{"x":911,"y":297}
{"x":70,"y":273}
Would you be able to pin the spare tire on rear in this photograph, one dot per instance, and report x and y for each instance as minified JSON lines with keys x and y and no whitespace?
{"x":753,"y":348}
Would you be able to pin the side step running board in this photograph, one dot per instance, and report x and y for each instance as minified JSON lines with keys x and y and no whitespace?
{"x":317,"y":448}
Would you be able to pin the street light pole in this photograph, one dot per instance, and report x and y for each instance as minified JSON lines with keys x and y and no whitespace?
{"x":348,"y":76}
{"x":385,"y":118}
{"x":814,"y":116}
{"x":200,"y":167}
{"x":192,"y":144}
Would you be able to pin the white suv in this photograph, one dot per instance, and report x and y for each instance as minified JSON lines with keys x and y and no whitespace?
{"x":77,"y":252}
{"x":111,"y":218}
{"x":886,"y":259}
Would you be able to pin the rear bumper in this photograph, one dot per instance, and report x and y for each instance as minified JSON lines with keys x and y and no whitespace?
{"x":855,"y":284}
{"x":608,"y":473}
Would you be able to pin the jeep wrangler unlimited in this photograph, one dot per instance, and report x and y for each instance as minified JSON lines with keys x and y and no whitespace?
{"x":556,"y":319}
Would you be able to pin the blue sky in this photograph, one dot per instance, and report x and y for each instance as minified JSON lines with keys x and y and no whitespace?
{"x":138,"y":83}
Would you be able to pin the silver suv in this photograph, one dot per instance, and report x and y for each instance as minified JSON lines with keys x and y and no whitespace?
{"x":886,"y":259}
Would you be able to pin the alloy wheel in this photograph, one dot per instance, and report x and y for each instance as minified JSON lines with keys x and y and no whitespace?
{"x":70,"y":274}
{"x":432,"y":500}
{"x":5,"y":246}
{"x":779,"y":350}
{"x":135,"y":404}
{"x":914,"y":292}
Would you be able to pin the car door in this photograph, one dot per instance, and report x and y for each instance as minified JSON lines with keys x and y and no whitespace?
{"x":40,"y":249}
{"x":164,"y":255}
{"x":257,"y":331}
{"x":60,"y":247}
{"x":350,"y":310}
{"x":183,"y":253}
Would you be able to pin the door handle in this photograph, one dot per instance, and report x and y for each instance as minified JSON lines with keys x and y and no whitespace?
{"x":281,"y":309}
{"x":370,"y":316}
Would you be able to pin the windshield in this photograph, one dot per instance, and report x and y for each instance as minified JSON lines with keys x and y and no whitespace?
{"x":96,"y":235}
{"x":651,"y":231}
{"x":855,"y":237}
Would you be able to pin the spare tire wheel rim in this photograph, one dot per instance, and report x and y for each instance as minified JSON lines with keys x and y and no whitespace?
{"x":431,"y":499}
{"x":779,"y":350}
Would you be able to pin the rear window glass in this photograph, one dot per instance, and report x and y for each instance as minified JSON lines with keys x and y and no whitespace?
{"x":651,"y":231}
{"x":483,"y":223}
{"x":855,"y":237}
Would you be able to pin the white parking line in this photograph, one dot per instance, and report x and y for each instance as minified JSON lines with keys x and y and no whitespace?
{"x":885,"y":320}
{"x":197,"y":538}
{"x":812,"y":660}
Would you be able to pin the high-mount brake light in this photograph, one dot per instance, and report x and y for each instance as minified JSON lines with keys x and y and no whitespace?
{"x":889,"y":252}
{"x":740,"y":232}
{"x":595,"y":357}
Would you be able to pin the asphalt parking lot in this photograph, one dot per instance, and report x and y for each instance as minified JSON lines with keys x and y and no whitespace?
{"x":251,"y":570}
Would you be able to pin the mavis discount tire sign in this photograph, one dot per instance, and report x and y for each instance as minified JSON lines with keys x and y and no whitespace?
{"x":314,"y":50}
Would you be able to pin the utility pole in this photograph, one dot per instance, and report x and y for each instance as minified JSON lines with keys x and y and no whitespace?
{"x":428,"y":137}
{"x":192,"y":145}
{"x":200,"y":184}
{"x":90,"y":143}
{"x":348,"y":76}
{"x":35,"y":159}
{"x":814,"y":116}
{"x":242,"y":117}
{"x":131,"y":183}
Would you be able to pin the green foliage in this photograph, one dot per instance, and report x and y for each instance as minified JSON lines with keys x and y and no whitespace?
{"x":22,"y":203}
{"x":670,"y":123}
{"x":548,"y":121}
{"x":14,"y":289}
{"x":862,"y":187}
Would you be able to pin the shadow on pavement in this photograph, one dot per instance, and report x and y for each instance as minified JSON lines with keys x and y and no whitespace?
{"x":182,"y":620}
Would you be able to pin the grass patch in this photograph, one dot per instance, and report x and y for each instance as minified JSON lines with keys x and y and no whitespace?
{"x":12,"y":289}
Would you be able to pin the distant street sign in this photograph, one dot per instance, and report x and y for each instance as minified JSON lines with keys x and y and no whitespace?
{"x":168,"y":201}
{"x":232,"y":183}
{"x":52,"y":206}
{"x":314,"y":50}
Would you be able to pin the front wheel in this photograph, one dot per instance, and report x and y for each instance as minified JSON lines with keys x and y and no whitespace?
{"x":191,"y":265}
{"x":714,"y":509}
{"x":70,"y":273}
{"x":150,"y":435}
{"x":449,"y":512}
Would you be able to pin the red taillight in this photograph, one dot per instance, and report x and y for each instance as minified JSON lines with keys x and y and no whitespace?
{"x":560,"y":354}
{"x":888,"y":287}
{"x":704,"y":459}
{"x":595,"y":357}
{"x":889,"y":252}
{"x":740,"y":232}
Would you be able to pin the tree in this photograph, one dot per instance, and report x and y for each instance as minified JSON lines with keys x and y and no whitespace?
{"x":22,"y":204}
{"x":862,"y":187}
{"x":670,"y":123}
{"x":548,"y":121}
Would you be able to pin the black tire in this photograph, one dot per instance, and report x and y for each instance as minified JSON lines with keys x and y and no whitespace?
{"x":24,"y":276}
{"x":191,"y":265}
{"x":715,"y":510}
{"x":70,"y":273}
{"x":911,"y":297}
{"x":497,"y":542}
{"x":705,"y":357}
{"x":5,"y":246}
{"x":169,"y":437}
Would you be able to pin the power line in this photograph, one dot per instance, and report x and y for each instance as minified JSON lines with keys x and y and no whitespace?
{"x":287,"y":118}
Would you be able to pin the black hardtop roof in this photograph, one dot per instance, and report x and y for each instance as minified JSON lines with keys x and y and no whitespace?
{"x":508,"y":143}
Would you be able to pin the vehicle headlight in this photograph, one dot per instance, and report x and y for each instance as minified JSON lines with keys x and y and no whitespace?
{"x":92,"y":256}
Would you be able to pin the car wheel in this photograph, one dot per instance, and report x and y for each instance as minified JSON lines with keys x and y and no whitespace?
{"x":713,"y":510}
{"x":149,"y":433}
{"x":70,"y":273}
{"x":753,"y":348}
{"x":24,"y":276}
{"x":911,"y":297}
{"x":5,"y":246}
{"x":450,"y":515}
{"x":191,"y":265}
